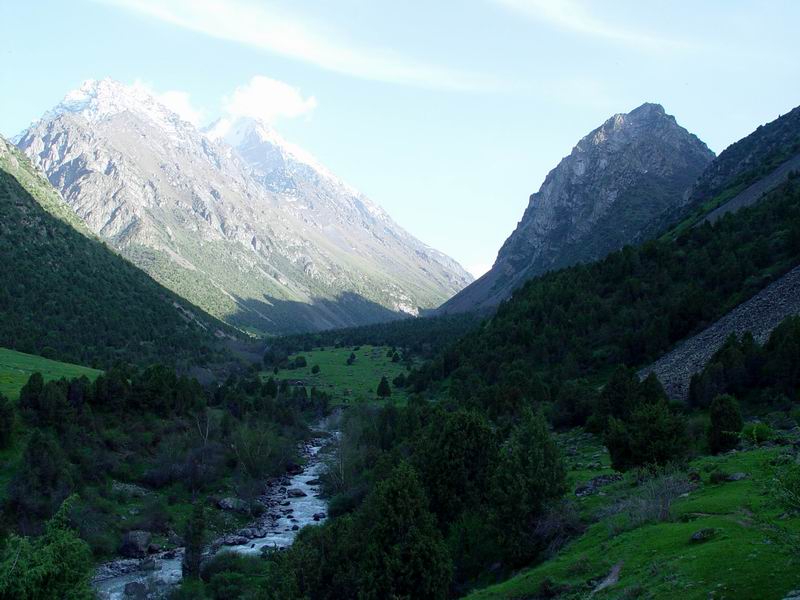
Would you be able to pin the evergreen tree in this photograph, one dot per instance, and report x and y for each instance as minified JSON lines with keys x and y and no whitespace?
{"x":652,"y":435}
{"x":454,"y":458}
{"x":384,"y":391}
{"x":405,"y":556}
{"x":7,"y":421}
{"x":529,"y":474}
{"x":55,"y":566}
{"x":195,"y":534}
{"x":29,"y":395}
{"x":725,"y":424}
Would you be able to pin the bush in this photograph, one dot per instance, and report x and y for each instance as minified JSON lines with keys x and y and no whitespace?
{"x":650,"y":502}
{"x":315,"y":369}
{"x":725,"y":424}
{"x":654,"y":435}
{"x":787,"y":487}
{"x":757,"y":433}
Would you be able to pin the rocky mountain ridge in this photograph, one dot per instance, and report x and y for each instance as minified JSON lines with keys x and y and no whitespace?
{"x":614,"y":188}
{"x":260,"y":235}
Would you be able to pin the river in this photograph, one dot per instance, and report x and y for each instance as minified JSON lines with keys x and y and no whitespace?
{"x":287,"y":512}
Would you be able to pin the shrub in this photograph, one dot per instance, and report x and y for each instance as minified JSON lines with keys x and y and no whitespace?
{"x":650,"y":501}
{"x":725,"y":424}
{"x":757,"y":433}
{"x":315,"y":369}
{"x":787,"y":487}
{"x":654,"y":435}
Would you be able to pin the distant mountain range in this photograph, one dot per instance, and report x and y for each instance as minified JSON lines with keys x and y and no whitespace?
{"x":621,"y":184}
{"x":233,"y":218}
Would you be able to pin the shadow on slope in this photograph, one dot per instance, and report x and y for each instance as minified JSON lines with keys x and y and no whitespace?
{"x":290,"y":317}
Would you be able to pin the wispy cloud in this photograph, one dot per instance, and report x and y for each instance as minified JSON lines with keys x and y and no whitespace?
{"x":266,"y":27}
{"x":570,"y":15}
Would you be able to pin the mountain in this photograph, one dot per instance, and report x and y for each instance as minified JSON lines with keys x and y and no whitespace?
{"x":743,"y":173}
{"x":235,"y":219}
{"x":615,"y":188}
{"x":64,"y":294}
{"x":631,"y":308}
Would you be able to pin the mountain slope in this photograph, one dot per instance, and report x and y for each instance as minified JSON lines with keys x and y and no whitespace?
{"x":64,"y":294}
{"x":284,"y":249}
{"x":759,"y":315}
{"x":628,"y":308}
{"x":743,"y":173}
{"x":615,"y":188}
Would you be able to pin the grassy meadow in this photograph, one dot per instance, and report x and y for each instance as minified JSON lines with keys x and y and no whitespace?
{"x":347,"y":384}
{"x":17,"y":367}
{"x":751,"y":551}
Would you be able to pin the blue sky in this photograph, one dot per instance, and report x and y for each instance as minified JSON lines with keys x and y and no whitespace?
{"x":449,"y":113}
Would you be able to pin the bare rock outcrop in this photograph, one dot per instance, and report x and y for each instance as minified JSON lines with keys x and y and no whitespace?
{"x":617,"y":187}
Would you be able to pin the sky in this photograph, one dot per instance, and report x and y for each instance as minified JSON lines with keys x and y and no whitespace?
{"x":449,"y":114}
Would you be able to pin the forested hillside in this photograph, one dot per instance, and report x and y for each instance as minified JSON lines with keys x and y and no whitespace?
{"x":626,"y":309}
{"x":65,"y":295}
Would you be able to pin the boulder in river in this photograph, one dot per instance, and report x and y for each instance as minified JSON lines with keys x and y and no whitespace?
{"x":296,"y":493}
{"x":136,"y":590}
{"x":234,"y":540}
{"x":135,"y":544}
{"x":294,"y":469}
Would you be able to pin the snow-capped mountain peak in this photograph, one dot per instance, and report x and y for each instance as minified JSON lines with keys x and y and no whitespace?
{"x":98,"y":99}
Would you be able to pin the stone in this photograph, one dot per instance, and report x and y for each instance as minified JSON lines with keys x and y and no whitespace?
{"x":737,"y":476}
{"x":703,"y":535}
{"x":295,"y":527}
{"x":314,"y":482}
{"x":135,"y":590}
{"x":149,"y":564}
{"x":593,"y":485}
{"x":295,"y":493}
{"x":294,"y":469}
{"x":233,"y":504}
{"x":135,"y":544}
{"x":234,"y":540}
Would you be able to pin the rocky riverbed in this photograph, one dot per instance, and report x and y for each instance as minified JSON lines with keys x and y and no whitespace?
{"x":291,"y":502}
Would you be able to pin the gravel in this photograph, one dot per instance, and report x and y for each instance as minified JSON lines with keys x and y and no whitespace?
{"x":759,"y":315}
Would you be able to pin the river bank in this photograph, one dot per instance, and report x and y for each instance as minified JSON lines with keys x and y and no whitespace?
{"x":291,"y":502}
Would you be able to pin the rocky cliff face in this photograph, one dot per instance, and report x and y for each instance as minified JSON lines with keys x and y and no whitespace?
{"x":260,"y":235}
{"x":615,"y":188}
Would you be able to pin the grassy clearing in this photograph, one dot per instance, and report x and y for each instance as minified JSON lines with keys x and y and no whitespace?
{"x":16,"y":368}
{"x":744,"y":558}
{"x":348,"y":384}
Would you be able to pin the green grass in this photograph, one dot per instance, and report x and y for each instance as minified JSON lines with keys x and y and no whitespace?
{"x":744,"y":559}
{"x":16,"y":368}
{"x":348,"y":384}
